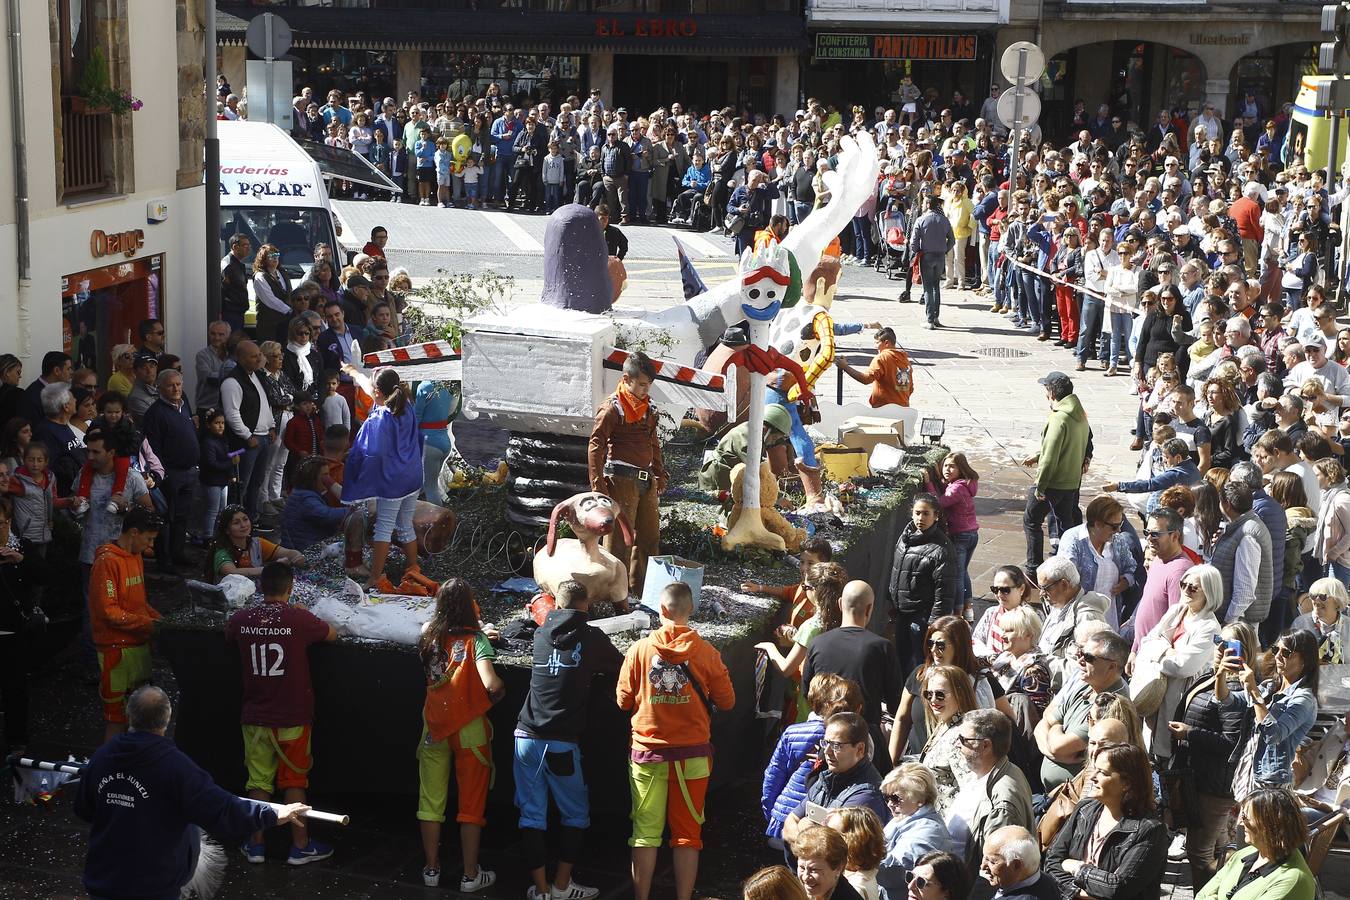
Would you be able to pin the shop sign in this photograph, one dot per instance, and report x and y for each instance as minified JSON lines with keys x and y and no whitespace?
{"x":609,"y":27}
{"x":1200,"y":38}
{"x":926,"y":47}
{"x":261,"y":182}
{"x":124,"y":242}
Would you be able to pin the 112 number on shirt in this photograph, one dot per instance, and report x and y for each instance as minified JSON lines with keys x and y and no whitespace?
{"x":260,"y":655}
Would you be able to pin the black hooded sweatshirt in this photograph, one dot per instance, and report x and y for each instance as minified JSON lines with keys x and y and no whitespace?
{"x":146,"y":800}
{"x":568,"y":653}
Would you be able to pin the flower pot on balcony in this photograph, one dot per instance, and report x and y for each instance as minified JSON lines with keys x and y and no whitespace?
{"x":83,"y":107}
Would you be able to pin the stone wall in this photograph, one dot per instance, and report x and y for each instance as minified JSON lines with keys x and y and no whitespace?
{"x":191,"y":40}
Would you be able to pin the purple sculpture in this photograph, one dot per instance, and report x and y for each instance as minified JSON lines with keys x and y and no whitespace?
{"x":576,"y":262}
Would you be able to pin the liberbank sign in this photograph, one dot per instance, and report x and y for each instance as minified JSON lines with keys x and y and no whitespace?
{"x":925,"y":47}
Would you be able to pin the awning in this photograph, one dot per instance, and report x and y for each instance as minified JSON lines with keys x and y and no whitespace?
{"x":343,"y":164}
{"x":524,"y":31}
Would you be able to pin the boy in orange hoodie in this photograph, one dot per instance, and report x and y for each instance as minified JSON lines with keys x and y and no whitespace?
{"x":121,"y":617}
{"x":671,"y":681}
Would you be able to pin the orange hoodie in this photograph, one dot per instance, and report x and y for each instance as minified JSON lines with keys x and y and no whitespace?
{"x":118,"y":611}
{"x":666,"y":710}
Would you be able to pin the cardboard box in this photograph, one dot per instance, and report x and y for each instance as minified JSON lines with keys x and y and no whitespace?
{"x":866,"y":432}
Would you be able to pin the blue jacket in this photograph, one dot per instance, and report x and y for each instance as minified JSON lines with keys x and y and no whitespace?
{"x":1040,"y":236}
{"x":785,"y":777}
{"x":1272,"y":515}
{"x":1290,"y":717}
{"x":504,"y":136}
{"x":436,"y":401}
{"x":984,"y":209}
{"x":307,"y":519}
{"x":697,"y":177}
{"x":385,"y":461}
{"x":146,"y":801}
{"x":908,"y":839}
{"x":1186,"y":474}
{"x":172,"y":434}
{"x":1075,"y":545}
{"x":859,"y":786}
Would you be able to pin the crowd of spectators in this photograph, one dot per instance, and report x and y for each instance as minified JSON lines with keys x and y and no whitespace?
{"x":1122,"y":697}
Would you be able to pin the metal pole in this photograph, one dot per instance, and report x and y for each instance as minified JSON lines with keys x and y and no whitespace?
{"x":267,"y":65}
{"x":213,"y":253}
{"x":1017,"y":121}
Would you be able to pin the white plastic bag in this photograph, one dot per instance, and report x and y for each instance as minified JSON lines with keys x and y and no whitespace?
{"x":238,"y":589}
{"x":886,"y":459}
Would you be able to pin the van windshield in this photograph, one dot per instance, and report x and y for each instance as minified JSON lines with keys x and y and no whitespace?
{"x":294,"y":230}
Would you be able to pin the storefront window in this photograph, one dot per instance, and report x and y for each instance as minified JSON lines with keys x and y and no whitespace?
{"x":1273,"y":73}
{"x":104,"y":307}
{"x":348,"y":71}
{"x":521,"y":77}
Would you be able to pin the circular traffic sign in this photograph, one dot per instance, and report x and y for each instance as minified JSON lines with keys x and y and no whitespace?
{"x":256,"y":36}
{"x":1011,"y":61}
{"x":1031,"y":107}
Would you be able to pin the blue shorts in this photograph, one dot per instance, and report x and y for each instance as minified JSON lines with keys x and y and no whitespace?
{"x":471,"y":188}
{"x":801,"y":441}
{"x":550,"y":767}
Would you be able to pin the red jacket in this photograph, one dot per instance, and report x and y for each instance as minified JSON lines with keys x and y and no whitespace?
{"x":1246,"y":215}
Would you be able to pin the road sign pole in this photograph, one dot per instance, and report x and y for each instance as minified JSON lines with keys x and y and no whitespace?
{"x":268,"y":59}
{"x":1015,"y":150}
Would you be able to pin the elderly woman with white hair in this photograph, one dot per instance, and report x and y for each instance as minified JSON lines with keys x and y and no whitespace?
{"x":1174,"y":652}
{"x":915,"y":828}
{"x":1328,"y":620}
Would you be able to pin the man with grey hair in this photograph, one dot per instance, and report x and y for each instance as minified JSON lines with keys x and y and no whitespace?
{"x":1061,"y":588}
{"x":1273,"y":516}
{"x":210,"y":363}
{"x":1062,"y":733}
{"x":172,"y":432}
{"x":1012,"y":865}
{"x":148,"y":805}
{"x":997,"y":795}
{"x":65,"y":444}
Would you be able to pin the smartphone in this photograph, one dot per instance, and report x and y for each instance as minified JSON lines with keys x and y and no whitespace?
{"x":1230,"y":647}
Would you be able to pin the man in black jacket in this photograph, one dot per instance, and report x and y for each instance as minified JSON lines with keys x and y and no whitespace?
{"x":148,"y":804}
{"x":862,"y":657}
{"x":172,"y":432}
{"x":235,"y":275}
{"x":568,"y":654}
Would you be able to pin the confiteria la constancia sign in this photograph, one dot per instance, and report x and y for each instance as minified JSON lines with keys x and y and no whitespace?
{"x":937,"y":47}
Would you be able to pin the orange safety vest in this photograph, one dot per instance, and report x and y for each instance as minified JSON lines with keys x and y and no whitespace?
{"x":457,"y":696}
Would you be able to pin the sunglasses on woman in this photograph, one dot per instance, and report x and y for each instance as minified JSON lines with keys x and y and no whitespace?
{"x":938,"y":646}
{"x":995,"y":589}
{"x":918,"y":881}
{"x":935,"y":696}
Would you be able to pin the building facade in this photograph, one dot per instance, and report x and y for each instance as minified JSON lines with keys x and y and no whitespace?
{"x":640,"y":54}
{"x":115,"y":209}
{"x":1141,"y":57}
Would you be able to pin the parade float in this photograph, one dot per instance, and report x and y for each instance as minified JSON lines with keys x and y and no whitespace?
{"x":540,"y":372}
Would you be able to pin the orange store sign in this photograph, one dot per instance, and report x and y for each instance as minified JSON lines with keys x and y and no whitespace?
{"x":102,"y":244}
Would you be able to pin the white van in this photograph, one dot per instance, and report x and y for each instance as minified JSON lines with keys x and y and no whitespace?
{"x":274,"y":192}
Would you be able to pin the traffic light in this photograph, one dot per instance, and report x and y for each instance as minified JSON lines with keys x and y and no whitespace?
{"x":1331,"y":54}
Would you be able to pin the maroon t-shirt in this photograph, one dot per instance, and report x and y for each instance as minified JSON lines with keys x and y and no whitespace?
{"x":273,"y":639}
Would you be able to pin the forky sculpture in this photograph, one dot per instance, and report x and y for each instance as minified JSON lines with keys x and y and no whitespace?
{"x":766,"y":282}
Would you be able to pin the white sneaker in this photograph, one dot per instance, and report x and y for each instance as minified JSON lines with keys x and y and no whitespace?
{"x":573,"y":891}
{"x":532,"y":893}
{"x":431,"y":877}
{"x":1177,"y":850}
{"x":483,"y":879}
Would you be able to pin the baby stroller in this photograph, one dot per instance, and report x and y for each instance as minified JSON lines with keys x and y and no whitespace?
{"x":892,"y":226}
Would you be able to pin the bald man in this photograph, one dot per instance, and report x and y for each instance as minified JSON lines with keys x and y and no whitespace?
{"x":1012,"y":866}
{"x":853,"y":652}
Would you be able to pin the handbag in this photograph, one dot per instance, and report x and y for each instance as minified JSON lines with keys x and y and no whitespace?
{"x":1148,"y":685}
{"x":734,"y":222}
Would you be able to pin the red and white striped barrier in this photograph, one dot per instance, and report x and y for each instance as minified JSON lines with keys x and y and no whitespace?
{"x":672,"y":372}
{"x":432,"y":351}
